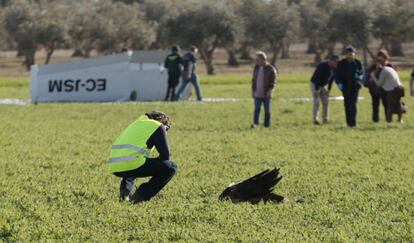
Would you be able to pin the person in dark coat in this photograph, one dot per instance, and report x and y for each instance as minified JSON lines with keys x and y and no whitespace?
{"x":174,"y":64}
{"x":349,"y":75}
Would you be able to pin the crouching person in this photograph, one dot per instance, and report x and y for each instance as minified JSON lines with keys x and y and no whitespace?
{"x":129,"y":158}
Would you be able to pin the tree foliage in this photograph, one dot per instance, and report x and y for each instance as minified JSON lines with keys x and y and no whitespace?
{"x":108,"y":26}
{"x":206,"y":27}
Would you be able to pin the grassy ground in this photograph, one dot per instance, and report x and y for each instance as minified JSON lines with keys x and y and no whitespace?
{"x":357,"y":184}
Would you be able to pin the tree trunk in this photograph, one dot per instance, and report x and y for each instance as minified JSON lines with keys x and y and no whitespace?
{"x":365,"y":53}
{"x":49,"y":53}
{"x":276,"y":50}
{"x":87,"y":53}
{"x":312,"y":46}
{"x":232,"y":62}
{"x":78,"y":53}
{"x":19,"y":52}
{"x":318,"y":57}
{"x":396,"y":48}
{"x":246,"y":49}
{"x":29,"y":58}
{"x":207,"y":56}
{"x":331,"y":50}
{"x":285,"y":51}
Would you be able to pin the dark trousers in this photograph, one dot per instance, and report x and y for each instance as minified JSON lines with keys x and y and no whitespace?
{"x":161,"y":172}
{"x":173,"y":80}
{"x":350,"y":102}
{"x":257,"y":106}
{"x":376,"y":100}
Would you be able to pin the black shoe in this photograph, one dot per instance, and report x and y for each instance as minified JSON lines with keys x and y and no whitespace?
{"x":316,"y":123}
{"x":136,"y":198}
{"x":124,"y":195}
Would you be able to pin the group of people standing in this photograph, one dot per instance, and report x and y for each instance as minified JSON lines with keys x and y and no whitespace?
{"x":381,"y":79}
{"x":129,"y":158}
{"x":183,"y":67}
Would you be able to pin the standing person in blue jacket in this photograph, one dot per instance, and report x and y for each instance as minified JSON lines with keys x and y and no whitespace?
{"x":349,"y":75}
{"x":189,"y":74}
{"x":321,"y":84}
{"x":174,"y":64}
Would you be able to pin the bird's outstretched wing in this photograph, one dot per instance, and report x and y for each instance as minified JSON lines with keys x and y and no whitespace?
{"x":254,"y":189}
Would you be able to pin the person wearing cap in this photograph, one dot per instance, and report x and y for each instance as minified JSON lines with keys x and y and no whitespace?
{"x":321,"y":84}
{"x":130,"y":157}
{"x":376,"y":92}
{"x":263,"y":83}
{"x":174,"y":64}
{"x":349,"y":75}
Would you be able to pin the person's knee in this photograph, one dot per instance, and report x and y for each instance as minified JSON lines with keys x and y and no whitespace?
{"x":170,"y":167}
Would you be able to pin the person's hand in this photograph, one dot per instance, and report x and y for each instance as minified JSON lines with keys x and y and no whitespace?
{"x":189,"y":76}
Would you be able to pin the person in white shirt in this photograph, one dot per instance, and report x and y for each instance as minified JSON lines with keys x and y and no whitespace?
{"x":387,"y":78}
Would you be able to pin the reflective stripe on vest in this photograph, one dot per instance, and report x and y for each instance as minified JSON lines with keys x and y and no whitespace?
{"x":132,"y":147}
{"x":130,"y":150}
{"x":122,"y":159}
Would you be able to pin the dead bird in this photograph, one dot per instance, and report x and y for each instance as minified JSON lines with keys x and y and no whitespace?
{"x":257,"y":188}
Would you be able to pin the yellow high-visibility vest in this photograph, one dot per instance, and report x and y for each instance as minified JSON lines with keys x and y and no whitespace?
{"x":130,"y":150}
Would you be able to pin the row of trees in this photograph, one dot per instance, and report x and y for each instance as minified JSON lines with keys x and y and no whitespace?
{"x":236,"y":25}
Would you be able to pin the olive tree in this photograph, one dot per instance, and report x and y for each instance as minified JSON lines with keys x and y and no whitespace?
{"x":31,"y":28}
{"x":87,"y":28}
{"x":127,"y":28}
{"x":350,"y":23}
{"x":394,"y":24}
{"x":267,"y":23}
{"x":206,"y":27}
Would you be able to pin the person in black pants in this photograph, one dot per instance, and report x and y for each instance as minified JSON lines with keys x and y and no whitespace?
{"x":174,"y":64}
{"x":161,"y":169}
{"x":349,"y":75}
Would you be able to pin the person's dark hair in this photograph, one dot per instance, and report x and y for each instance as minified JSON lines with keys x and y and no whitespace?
{"x":384,"y":54}
{"x":175,"y":49}
{"x":334,"y":58}
{"x":160,"y":117}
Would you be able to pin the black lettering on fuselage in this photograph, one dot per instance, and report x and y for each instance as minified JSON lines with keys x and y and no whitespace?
{"x":55,"y":85}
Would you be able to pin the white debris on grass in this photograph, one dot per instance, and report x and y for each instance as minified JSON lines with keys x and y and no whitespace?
{"x":22,"y":102}
{"x":9,"y":101}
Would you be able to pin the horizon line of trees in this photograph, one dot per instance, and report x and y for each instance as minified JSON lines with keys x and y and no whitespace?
{"x":238,"y":26}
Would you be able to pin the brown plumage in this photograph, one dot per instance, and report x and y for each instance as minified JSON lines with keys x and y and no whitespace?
{"x":253,"y":190}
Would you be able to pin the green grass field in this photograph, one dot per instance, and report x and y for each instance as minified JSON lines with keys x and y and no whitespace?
{"x":357,"y":184}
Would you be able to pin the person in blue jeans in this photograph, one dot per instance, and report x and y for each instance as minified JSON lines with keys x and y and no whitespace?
{"x":263,"y":83}
{"x":189,"y":74}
